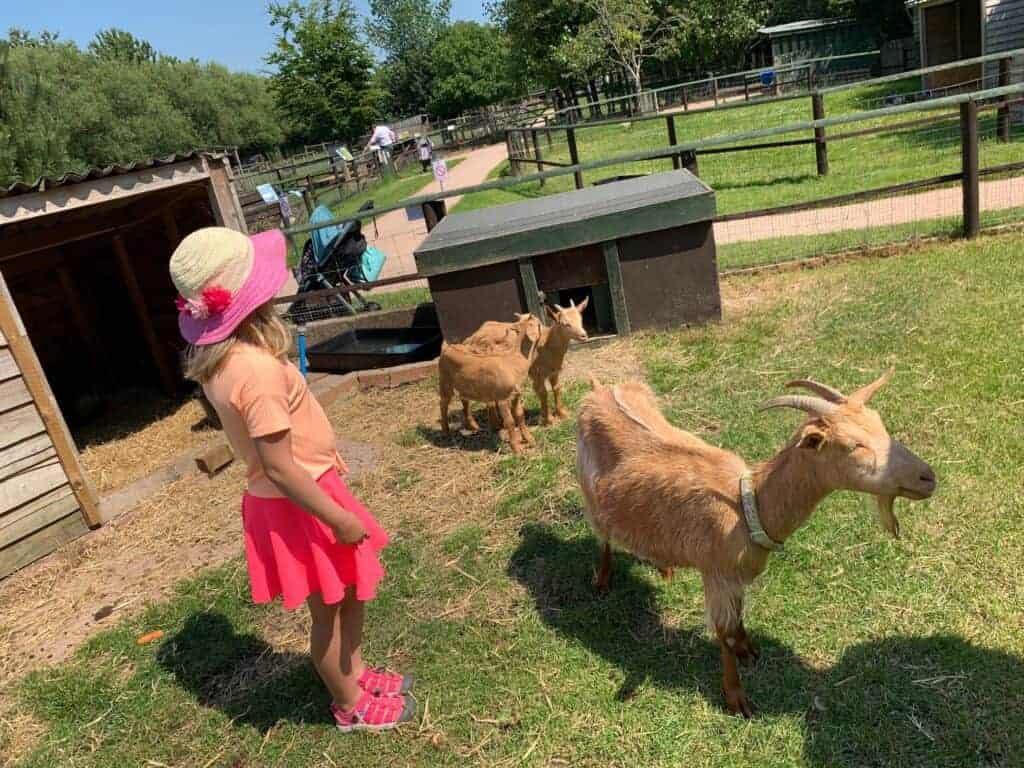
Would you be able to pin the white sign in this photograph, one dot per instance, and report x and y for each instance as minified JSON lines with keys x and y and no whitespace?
{"x":440,"y":171}
{"x":267,"y":192}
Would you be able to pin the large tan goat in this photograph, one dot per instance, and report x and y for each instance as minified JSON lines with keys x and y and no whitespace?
{"x":491,"y":374}
{"x":566,"y":326}
{"x":673,"y":500}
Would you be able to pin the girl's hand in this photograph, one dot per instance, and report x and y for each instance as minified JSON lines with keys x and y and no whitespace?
{"x":349,"y":529}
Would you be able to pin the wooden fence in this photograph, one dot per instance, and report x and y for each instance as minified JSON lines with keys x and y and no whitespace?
{"x":968,"y":108}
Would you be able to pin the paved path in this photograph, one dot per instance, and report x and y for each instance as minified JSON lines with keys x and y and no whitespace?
{"x":923,"y":206}
{"x":398,"y":237}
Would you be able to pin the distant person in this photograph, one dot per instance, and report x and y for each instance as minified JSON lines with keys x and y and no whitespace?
{"x":380,"y":142}
{"x":307,"y":538}
{"x":425,"y":148}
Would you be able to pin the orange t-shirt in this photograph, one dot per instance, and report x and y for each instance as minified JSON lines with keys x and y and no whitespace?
{"x":256,"y":395}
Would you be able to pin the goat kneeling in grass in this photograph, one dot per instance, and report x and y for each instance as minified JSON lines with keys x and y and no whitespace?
{"x":671,"y":499}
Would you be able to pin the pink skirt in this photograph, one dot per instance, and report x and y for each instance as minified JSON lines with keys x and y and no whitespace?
{"x":292,"y":554}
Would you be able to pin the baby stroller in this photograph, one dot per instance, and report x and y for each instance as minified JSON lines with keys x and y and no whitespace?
{"x":332,"y":257}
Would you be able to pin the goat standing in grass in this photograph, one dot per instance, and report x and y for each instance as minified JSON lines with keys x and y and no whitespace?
{"x":671,"y":499}
{"x":566,"y":326}
{"x":491,"y":374}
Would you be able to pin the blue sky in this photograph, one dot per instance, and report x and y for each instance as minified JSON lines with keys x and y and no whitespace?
{"x":236,"y":33}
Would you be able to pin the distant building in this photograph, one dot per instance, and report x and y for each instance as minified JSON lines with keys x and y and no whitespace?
{"x":815,"y":39}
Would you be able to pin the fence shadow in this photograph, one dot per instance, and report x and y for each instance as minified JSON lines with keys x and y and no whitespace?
{"x":242,"y":676}
{"x":934,"y":700}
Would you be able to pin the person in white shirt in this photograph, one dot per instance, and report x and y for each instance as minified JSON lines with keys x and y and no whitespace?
{"x":425,"y":148}
{"x":380,"y":142}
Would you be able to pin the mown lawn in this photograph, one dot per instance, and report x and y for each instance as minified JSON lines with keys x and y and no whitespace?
{"x":766,"y":178}
{"x":875,"y":652}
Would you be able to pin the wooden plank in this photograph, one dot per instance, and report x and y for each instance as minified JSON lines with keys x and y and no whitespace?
{"x":46,"y":405}
{"x":214,"y":460}
{"x":8,"y":368}
{"x":25,"y":455}
{"x":13,"y":394}
{"x":41,"y":543}
{"x":615,"y":287}
{"x":530,"y":290}
{"x":19,"y":424}
{"x":970,"y":164}
{"x":223,"y":198}
{"x":37,"y":514}
{"x":30,"y":484}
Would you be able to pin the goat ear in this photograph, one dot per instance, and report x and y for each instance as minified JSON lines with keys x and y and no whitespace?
{"x":583,"y":304}
{"x":864,"y":394}
{"x":813,"y":437}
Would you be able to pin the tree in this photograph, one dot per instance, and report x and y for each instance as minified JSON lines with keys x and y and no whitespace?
{"x":626,"y":32}
{"x":471,"y":68}
{"x":324,"y":68}
{"x":118,"y":45}
{"x":407,"y":31}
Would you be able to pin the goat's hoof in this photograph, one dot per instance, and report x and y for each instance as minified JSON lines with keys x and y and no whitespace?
{"x":737,"y":703}
{"x":550,"y":421}
{"x":472,"y":426}
{"x":528,"y":439}
{"x":563,"y":413}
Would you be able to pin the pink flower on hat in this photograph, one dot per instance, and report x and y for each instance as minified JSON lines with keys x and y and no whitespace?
{"x":210,"y":301}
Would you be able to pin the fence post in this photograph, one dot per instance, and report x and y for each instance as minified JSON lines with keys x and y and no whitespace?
{"x":714,"y":88}
{"x":746,"y":89}
{"x":537,"y":154}
{"x":686,"y":102}
{"x":820,"y":144}
{"x":969,"y":154}
{"x":689,"y":160}
{"x":574,"y":155}
{"x":508,"y":148}
{"x":671,"y":123}
{"x":810,"y":82}
{"x":1003,"y":119}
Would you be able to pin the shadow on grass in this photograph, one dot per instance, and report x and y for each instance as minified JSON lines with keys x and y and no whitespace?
{"x":936,"y":700}
{"x":242,"y":676}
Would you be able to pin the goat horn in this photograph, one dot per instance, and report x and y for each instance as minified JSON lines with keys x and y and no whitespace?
{"x":865,"y":393}
{"x":572,"y":303}
{"x":815,"y":406}
{"x":832,"y":395}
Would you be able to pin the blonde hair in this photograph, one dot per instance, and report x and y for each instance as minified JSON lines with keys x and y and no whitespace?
{"x":263,"y":328}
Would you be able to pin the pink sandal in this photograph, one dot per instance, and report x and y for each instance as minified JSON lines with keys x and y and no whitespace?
{"x":374,"y":713}
{"x":382,"y":682}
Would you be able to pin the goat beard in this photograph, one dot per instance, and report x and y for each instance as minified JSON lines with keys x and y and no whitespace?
{"x":886,"y":516}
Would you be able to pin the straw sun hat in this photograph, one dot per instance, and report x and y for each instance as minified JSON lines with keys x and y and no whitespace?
{"x":222,"y":276}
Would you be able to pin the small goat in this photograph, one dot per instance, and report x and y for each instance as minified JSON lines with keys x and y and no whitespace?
{"x":671,"y":499}
{"x":567,"y":326}
{"x":491,"y":373}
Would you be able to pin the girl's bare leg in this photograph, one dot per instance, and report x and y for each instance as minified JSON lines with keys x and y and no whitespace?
{"x":350,"y":616}
{"x":325,"y":647}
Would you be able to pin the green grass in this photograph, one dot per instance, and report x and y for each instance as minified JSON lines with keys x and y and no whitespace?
{"x":765,"y":178}
{"x":875,"y":652}
{"x":406,"y":298}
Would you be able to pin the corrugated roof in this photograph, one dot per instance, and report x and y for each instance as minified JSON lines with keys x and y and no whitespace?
{"x":47,"y":182}
{"x":806,"y":25}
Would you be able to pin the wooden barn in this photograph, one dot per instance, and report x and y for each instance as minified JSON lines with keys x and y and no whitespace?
{"x":87,"y":311}
{"x":950,"y":30}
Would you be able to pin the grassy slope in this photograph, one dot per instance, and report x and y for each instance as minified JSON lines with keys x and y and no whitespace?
{"x":765,"y":178}
{"x":875,"y":652}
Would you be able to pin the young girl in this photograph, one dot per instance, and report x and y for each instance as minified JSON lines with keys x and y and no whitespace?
{"x":306,"y":537}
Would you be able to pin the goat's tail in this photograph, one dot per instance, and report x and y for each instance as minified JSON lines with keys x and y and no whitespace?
{"x":595,"y":383}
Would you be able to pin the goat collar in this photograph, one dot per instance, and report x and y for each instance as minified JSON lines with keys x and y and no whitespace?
{"x":749,"y":500}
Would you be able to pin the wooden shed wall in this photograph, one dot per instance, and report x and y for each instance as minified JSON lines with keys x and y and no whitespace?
{"x":38,"y":508}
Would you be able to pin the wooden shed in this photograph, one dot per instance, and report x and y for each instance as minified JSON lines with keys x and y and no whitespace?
{"x":86,"y":310}
{"x":642,"y":250}
{"x":950,"y":30}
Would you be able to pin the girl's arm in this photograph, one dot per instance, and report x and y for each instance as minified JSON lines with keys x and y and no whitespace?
{"x":275,"y":452}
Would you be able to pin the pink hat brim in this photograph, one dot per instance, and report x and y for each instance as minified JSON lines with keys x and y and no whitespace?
{"x":269,"y":273}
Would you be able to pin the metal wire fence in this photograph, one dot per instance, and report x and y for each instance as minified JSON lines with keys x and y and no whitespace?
{"x":870,"y":180}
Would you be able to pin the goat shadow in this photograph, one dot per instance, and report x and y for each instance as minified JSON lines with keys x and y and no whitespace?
{"x":484,"y":439}
{"x":935,"y":700}
{"x":243,"y":676}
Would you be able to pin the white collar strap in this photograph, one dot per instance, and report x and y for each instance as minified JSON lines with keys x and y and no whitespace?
{"x":749,"y":500}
